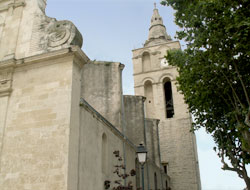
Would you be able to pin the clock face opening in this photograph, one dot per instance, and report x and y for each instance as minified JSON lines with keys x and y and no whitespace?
{"x":164,"y":62}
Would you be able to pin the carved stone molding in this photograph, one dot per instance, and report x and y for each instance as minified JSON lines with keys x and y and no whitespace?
{"x":156,"y":52}
{"x":59,"y":34}
{"x":6,"y":76}
{"x":137,"y":57}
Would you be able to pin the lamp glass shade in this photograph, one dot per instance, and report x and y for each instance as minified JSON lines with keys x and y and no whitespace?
{"x":142,"y":157}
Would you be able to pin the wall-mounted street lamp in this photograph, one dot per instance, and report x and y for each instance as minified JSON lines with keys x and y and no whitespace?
{"x":142,"y":157}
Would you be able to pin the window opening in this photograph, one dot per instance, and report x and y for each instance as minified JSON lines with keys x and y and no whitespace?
{"x":169,"y":99}
{"x":165,"y":167}
{"x":166,"y":184}
{"x":155,"y":182}
{"x":104,"y":153}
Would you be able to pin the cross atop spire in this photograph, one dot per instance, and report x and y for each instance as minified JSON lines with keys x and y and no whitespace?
{"x":155,"y":4}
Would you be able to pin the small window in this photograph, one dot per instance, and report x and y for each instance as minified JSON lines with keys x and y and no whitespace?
{"x":165,"y":167}
{"x":104,"y":153}
{"x":155,"y":180}
{"x":166,"y":184}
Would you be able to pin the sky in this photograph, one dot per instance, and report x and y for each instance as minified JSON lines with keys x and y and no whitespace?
{"x":111,"y":29}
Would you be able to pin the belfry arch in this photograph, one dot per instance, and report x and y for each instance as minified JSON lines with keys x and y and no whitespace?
{"x":168,"y":97}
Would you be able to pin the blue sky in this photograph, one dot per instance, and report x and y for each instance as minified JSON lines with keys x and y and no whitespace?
{"x":110,"y":30}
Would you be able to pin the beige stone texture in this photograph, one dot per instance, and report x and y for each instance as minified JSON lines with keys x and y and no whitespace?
{"x":152,"y":141}
{"x":134,"y":122}
{"x":36,"y":124}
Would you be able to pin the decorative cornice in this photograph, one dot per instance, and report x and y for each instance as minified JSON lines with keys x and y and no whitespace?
{"x":7,"y":66}
{"x":12,"y":5}
{"x":7,"y":63}
{"x":155,"y":83}
{"x":156,"y":70}
{"x":148,"y":47}
{"x":79,"y":56}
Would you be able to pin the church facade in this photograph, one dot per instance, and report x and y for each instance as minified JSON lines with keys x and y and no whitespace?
{"x":64,"y":121}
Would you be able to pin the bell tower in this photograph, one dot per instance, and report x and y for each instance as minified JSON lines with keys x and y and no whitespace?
{"x":155,"y":79}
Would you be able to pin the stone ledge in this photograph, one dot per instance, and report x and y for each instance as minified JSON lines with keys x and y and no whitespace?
{"x":80,"y":57}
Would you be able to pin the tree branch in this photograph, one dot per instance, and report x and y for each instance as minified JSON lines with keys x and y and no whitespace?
{"x":242,"y":84}
{"x":234,"y":93}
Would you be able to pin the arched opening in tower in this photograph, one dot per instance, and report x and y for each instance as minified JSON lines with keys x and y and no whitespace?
{"x":168,"y":98}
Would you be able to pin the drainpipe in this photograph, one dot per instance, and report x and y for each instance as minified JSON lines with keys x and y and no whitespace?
{"x":145,"y":140}
{"x":123,"y":126}
{"x":159,"y":152}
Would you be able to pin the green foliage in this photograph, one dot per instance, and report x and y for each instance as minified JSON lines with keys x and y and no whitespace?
{"x":214,"y":72}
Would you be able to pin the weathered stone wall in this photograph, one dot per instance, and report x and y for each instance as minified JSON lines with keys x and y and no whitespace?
{"x":138,"y":130}
{"x":134,"y":118}
{"x":152,"y":141}
{"x":155,"y":176}
{"x":101,"y":88}
{"x":97,"y":165}
{"x":179,"y":152}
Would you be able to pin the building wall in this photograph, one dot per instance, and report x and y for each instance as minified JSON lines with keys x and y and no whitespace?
{"x":101,"y":87}
{"x":178,"y":146}
{"x":35,"y":125}
{"x":94,"y":169}
{"x":47,"y":140}
{"x":152,"y":138}
{"x":141,"y":130}
{"x":134,"y":118}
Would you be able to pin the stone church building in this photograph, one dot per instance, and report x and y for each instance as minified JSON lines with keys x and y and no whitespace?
{"x":64,"y":121}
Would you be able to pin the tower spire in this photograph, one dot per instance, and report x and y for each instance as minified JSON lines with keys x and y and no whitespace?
{"x":157,"y":30}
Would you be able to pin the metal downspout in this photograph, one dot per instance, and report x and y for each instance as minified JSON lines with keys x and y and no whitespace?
{"x":145,"y":140}
{"x":121,"y":66}
{"x":159,"y":152}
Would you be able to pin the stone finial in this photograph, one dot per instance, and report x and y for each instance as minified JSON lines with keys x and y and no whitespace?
{"x":59,"y":34}
{"x":157,"y":30}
